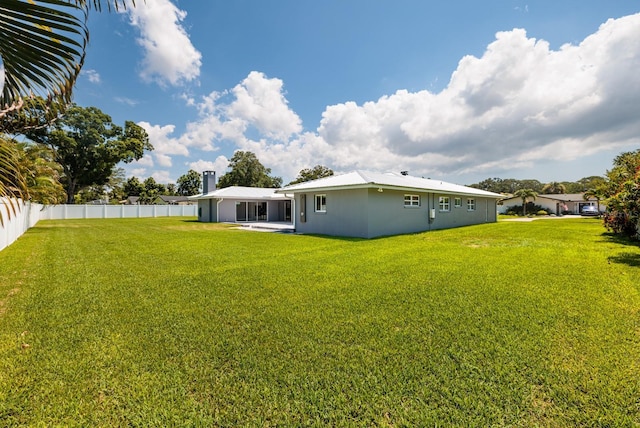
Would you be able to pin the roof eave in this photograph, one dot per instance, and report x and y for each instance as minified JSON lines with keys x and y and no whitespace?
{"x":373,"y":185}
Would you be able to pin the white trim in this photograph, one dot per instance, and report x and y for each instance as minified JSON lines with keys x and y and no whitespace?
{"x":315,"y":203}
{"x":413,"y":197}
{"x":441,"y":203}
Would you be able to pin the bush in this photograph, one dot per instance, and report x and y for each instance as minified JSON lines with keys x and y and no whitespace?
{"x":531,"y":208}
{"x":542,"y":212}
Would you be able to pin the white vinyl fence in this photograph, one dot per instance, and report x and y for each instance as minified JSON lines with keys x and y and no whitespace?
{"x":17,"y":217}
{"x":15,"y":224}
{"x":66,"y":212}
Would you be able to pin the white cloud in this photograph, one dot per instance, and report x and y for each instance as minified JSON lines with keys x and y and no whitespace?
{"x":169,"y":56}
{"x":519,"y":104}
{"x":163,"y":144}
{"x":519,"y":101}
{"x":162,"y":176}
{"x":219,"y":165}
{"x":257,"y":103}
{"x":145,"y":160}
{"x":92,"y":75}
{"x":138,"y":172}
{"x":260,"y":102}
{"x":128,"y":101}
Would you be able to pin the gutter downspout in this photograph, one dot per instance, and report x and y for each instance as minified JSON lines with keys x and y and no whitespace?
{"x":218,"y":210}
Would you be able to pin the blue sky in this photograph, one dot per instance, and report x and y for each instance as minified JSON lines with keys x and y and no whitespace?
{"x":459,"y":91}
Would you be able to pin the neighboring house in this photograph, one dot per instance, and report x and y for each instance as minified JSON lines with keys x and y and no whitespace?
{"x":367,"y":205}
{"x":172,"y":200}
{"x":131,"y":200}
{"x":243,"y":204}
{"x":568,"y":203}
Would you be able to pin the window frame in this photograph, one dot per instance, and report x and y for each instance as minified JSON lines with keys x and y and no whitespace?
{"x":444,"y":204}
{"x":322,"y":207}
{"x":457,"y":202}
{"x":411,"y":200}
{"x":471,"y":204}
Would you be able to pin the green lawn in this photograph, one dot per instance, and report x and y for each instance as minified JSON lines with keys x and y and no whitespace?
{"x":168,"y":322}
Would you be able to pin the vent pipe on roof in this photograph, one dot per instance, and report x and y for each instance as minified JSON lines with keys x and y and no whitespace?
{"x":208,"y":182}
{"x":404,"y":172}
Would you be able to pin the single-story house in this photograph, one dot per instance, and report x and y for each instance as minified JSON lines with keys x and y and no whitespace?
{"x":172,"y":200}
{"x":131,"y":200}
{"x":367,"y":205}
{"x":238,"y":204}
{"x":567,"y":203}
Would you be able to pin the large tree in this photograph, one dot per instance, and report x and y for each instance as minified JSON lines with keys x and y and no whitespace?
{"x":189,"y":184}
{"x":152,"y":189}
{"x":622,"y":193}
{"x":246,"y":170}
{"x":89,"y":145}
{"x":133,"y":187}
{"x":308,"y":174}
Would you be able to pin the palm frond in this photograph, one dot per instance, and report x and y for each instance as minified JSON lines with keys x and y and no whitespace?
{"x":42,"y":47}
{"x":12,"y":183}
{"x":97,"y":4}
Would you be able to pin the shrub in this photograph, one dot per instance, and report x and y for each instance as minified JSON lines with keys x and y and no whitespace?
{"x":542,"y":212}
{"x":531,"y":208}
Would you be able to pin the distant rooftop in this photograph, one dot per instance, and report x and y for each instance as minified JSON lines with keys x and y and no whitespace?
{"x":239,"y":192}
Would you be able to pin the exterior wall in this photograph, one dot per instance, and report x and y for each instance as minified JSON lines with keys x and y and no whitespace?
{"x":206,"y":210}
{"x":346,"y":214}
{"x":485,"y":212}
{"x":368,"y":213}
{"x":389,"y":216}
{"x":227,"y":210}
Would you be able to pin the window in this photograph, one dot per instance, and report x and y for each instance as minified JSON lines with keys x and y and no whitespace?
{"x":471,"y":204}
{"x":321,"y":203}
{"x":457,"y":202}
{"x":411,"y":200}
{"x":443,"y":202}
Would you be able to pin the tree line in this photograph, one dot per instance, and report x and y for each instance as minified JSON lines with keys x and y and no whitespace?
{"x":510,"y":186}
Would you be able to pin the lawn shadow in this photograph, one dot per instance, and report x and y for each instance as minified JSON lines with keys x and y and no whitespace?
{"x":333,"y":238}
{"x":620,"y":239}
{"x":628,"y":258}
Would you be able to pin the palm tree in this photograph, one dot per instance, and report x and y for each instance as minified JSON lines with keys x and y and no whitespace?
{"x":42,"y":50}
{"x":525,"y":194}
{"x":554,"y":188}
{"x":595,"y":192}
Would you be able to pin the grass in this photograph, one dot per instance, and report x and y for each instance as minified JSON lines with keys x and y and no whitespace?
{"x":167,"y":322}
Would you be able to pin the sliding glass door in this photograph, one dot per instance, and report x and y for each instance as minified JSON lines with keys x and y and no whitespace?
{"x":251,"y":211}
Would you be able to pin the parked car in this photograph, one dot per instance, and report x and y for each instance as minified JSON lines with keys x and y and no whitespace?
{"x":590,"y":210}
